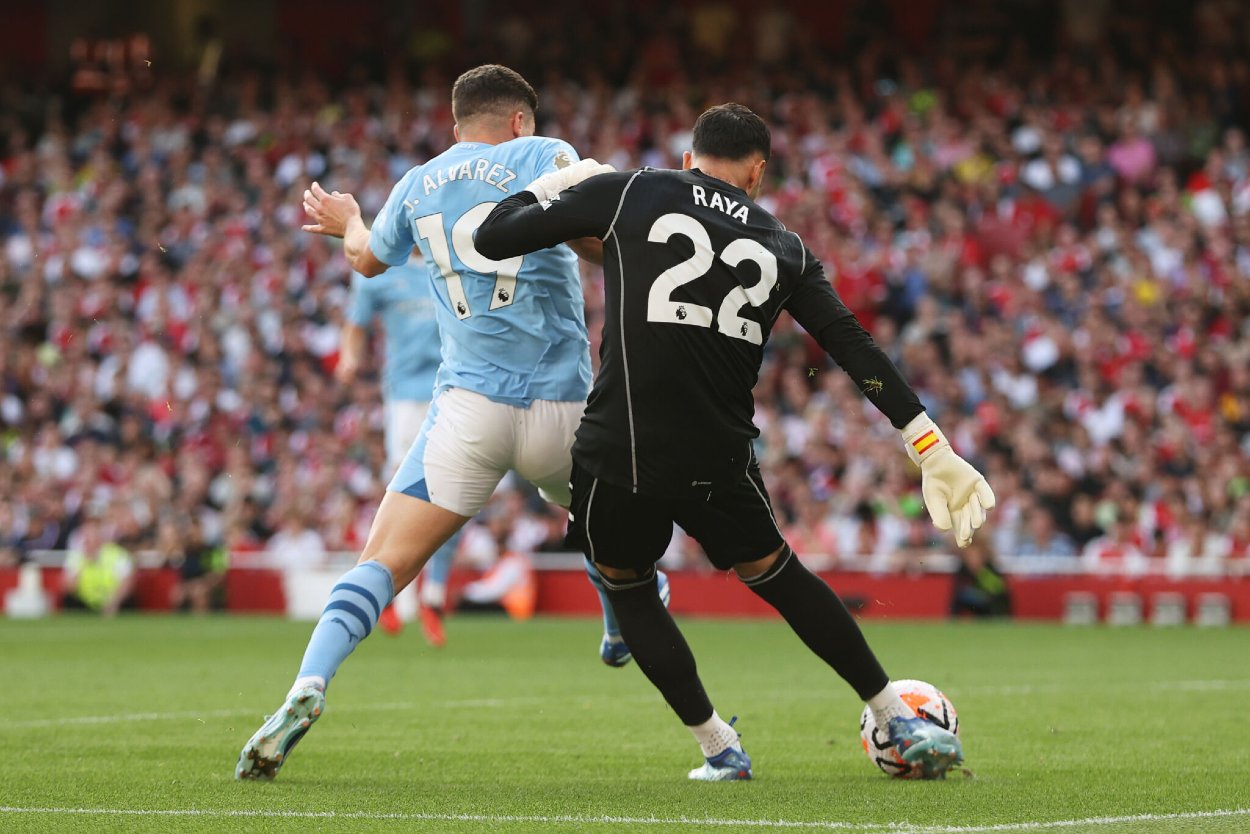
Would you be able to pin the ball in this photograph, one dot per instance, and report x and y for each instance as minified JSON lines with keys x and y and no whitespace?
{"x":924,"y":699}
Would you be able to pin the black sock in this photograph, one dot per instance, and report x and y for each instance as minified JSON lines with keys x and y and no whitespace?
{"x":816,"y":614}
{"x":658,"y":646}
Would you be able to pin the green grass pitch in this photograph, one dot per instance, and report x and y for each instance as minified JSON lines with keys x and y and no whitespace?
{"x":134,"y":725}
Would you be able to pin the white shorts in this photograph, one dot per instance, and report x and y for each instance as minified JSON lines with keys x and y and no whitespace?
{"x":404,"y":419}
{"x":468,"y":443}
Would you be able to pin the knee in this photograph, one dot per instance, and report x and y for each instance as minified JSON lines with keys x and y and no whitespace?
{"x":748,"y":571}
{"x":620,"y":581}
{"x":763,"y":576}
{"x":616,"y":574}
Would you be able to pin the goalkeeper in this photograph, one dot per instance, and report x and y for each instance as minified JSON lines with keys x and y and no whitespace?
{"x":696,"y":273}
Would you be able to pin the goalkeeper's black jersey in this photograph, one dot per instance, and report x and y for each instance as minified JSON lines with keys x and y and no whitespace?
{"x":695,"y":275}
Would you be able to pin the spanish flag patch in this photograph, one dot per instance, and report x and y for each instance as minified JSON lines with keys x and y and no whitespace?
{"x":924,"y":442}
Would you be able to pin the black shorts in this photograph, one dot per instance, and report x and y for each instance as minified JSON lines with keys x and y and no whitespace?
{"x":617,"y":528}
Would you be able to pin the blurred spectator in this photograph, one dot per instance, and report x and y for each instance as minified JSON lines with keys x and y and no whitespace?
{"x":1119,"y":551}
{"x":296,"y":544}
{"x":812,"y":536}
{"x":1197,"y":550}
{"x":1081,"y":526}
{"x":507,"y":586}
{"x":980,"y":590}
{"x":98,"y":573}
{"x":201,"y":567}
{"x":1043,"y":538}
{"x":871,"y":539}
{"x":9,"y":535}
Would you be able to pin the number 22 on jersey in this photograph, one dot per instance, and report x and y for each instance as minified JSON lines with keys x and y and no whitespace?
{"x":431,"y":229}
{"x":663,"y":309}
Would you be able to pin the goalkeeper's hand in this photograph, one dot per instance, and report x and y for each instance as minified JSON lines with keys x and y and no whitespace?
{"x":548,"y":186}
{"x":955,"y":493}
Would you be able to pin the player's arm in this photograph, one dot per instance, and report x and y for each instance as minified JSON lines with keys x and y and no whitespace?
{"x":955,"y":493}
{"x":369,"y":251}
{"x":552,"y":211}
{"x":818,"y":309}
{"x":561,"y":156}
{"x":359,"y":255}
{"x":353,"y":339}
{"x":351,"y":352}
{"x":338,"y":215}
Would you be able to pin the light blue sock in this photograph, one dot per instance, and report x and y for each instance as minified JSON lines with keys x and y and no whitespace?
{"x":609,"y":618}
{"x":436,"y":571}
{"x":349,"y":616}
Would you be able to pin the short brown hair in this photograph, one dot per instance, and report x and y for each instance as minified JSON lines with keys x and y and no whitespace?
{"x":491,"y":89}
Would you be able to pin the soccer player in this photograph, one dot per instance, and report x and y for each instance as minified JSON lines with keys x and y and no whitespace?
{"x":400,"y":298}
{"x":512,"y":385}
{"x":696,"y":274}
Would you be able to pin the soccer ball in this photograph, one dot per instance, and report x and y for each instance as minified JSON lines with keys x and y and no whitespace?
{"x":927,"y":701}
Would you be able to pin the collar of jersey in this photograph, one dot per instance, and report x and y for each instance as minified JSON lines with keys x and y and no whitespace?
{"x":722,"y":183}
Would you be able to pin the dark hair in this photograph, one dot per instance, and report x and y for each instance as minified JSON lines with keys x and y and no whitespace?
{"x":491,"y":89}
{"x":731,"y":131}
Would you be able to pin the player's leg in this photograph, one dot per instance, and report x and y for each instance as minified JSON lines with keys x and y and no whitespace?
{"x":446,"y":478}
{"x":736,"y":526}
{"x":613,"y":650}
{"x":404,"y":419}
{"x":405,"y":532}
{"x":623,"y":535}
{"x":543,"y":458}
{"x":433,"y":593}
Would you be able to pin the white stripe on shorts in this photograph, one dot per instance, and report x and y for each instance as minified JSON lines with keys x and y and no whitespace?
{"x":589,"y":543}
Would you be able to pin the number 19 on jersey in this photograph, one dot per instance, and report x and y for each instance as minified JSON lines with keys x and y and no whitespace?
{"x":432,"y":229}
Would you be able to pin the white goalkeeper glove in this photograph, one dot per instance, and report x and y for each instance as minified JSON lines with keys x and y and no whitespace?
{"x":548,"y":186}
{"x":955,"y":493}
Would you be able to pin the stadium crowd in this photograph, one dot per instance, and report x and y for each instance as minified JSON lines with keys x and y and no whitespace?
{"x":1054,"y":244}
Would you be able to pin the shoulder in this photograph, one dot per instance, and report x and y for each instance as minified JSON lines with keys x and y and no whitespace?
{"x":648,"y":178}
{"x":806,"y":258}
{"x":400,"y":195}
{"x":542,"y":150}
{"x":618,"y":179}
{"x":606,"y":193}
{"x":413,"y":175}
{"x":539,"y":144}
{"x":659,"y":175}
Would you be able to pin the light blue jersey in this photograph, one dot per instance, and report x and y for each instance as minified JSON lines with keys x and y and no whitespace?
{"x":401,"y":298}
{"x":513,"y":331}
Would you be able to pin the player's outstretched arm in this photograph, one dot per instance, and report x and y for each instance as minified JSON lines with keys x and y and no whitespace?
{"x":955,"y":493}
{"x":575,"y":202}
{"x":337,"y":215}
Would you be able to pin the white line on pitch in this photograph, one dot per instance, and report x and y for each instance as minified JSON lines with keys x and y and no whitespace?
{"x":1151,"y":686}
{"x":538,"y":700}
{"x":830,"y":825}
{"x":188,"y":715}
